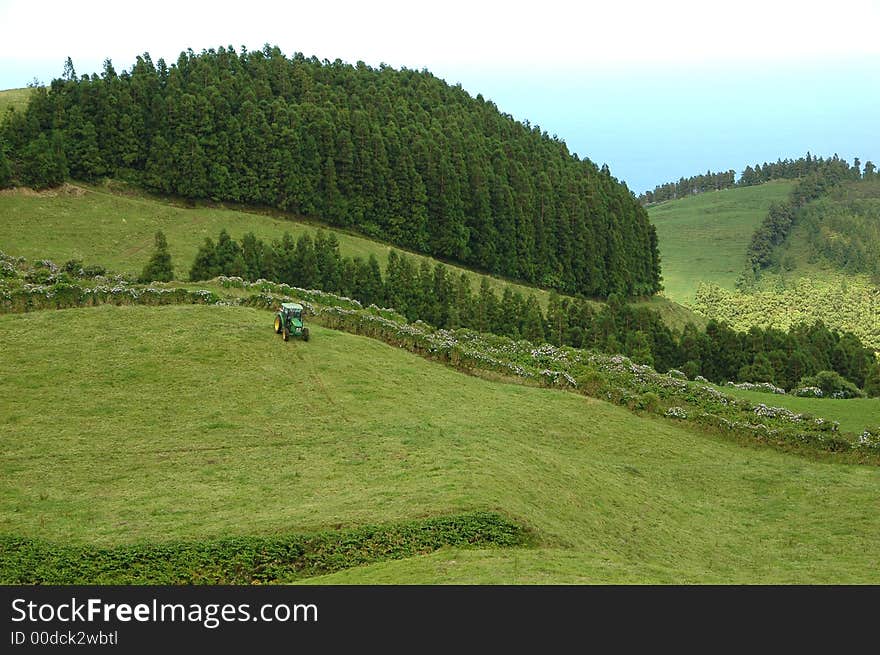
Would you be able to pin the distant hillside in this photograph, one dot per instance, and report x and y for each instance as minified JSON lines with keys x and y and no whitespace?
{"x":826,"y":268}
{"x":782,"y":169}
{"x":13,"y":99}
{"x":841,"y":231}
{"x":704,"y":238}
{"x":395,"y":154}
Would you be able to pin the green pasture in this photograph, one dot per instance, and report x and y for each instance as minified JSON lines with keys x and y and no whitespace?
{"x":133,"y":424}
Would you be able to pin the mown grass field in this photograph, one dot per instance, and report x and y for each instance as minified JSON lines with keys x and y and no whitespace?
{"x":132,"y":424}
{"x":704,"y":238}
{"x":103,"y":225}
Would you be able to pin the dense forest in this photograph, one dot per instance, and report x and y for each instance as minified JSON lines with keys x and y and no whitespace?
{"x":434,"y":295}
{"x":845,"y":228}
{"x":782,"y":169}
{"x":398,"y":155}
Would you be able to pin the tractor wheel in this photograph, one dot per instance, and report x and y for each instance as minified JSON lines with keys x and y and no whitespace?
{"x":285,"y":334}
{"x":305,"y":334}
{"x":277,"y":325}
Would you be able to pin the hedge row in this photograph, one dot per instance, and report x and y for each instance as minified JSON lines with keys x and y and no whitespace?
{"x":35,"y":297}
{"x":249,"y":560}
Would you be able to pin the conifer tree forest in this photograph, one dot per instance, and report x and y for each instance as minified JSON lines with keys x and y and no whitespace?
{"x":398,"y":155}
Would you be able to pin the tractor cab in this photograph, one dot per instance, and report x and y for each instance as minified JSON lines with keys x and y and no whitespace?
{"x":292,"y":310}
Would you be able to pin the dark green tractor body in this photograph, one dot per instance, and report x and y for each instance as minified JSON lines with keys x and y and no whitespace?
{"x":289,"y":321}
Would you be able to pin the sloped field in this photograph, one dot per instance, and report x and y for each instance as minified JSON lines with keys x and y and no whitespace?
{"x":133,"y":425}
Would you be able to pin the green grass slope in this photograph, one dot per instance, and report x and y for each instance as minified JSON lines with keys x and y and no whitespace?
{"x":853,"y":414}
{"x":704,"y":238}
{"x":193,"y":422}
{"x":105,"y":225}
{"x":15,"y":98}
{"x":116,"y":230}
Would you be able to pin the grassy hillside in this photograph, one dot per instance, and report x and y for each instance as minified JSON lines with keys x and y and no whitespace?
{"x":825,"y":270}
{"x":114,"y":227}
{"x":704,"y":238}
{"x":119,"y":443}
{"x":853,"y":414}
{"x":16,"y":98}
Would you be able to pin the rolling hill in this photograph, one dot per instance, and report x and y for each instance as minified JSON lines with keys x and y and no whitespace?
{"x":114,"y":224}
{"x":704,"y":238}
{"x":826,"y":269}
{"x":119,"y":444}
{"x":836,"y":234}
{"x":398,"y":155}
{"x":180,"y":433}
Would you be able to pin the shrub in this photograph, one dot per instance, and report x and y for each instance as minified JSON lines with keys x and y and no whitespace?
{"x":808,"y":392}
{"x":649,"y":401}
{"x":832,"y":384}
{"x":248,"y":560}
{"x":692,"y":369}
{"x":592,"y":382}
{"x":676,"y":412}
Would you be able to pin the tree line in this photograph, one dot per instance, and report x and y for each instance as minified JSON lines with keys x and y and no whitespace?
{"x":689,"y":186}
{"x":398,"y":155}
{"x":437,"y":296}
{"x":782,"y":169}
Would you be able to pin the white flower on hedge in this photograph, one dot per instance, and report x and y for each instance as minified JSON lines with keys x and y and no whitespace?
{"x":676,"y":412}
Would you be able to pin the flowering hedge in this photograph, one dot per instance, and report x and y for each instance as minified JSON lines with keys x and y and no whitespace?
{"x":33,"y":297}
{"x":764,"y":387}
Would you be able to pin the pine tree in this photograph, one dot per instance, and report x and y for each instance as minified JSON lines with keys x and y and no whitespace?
{"x":159,"y":268}
{"x":442,"y":293}
{"x":252,"y":251}
{"x":42,"y":164}
{"x":461,"y":311}
{"x":305,"y":270}
{"x":533,"y":323}
{"x":226,"y":253}
{"x":205,"y":265}
{"x":557,"y":319}
{"x":5,"y":168}
{"x":373,"y":290}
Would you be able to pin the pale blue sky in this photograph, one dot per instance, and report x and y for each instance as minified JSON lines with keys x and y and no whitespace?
{"x":656,"y":124}
{"x":657,"y":90}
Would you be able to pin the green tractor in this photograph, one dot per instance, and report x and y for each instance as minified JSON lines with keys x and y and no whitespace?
{"x":289,"y":321}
